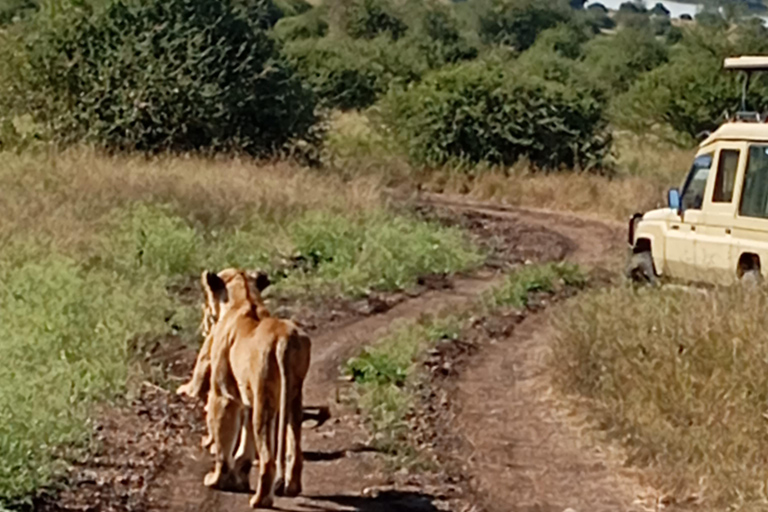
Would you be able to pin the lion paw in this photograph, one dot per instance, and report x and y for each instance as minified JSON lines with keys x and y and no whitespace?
{"x":261,"y":502}
{"x":293,"y":489}
{"x":213,"y":479}
{"x":279,"y":487}
{"x":184,"y":389}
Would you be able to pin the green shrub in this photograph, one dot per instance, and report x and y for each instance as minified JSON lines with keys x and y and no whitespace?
{"x":443,"y":43}
{"x":367,"y":19}
{"x":157,"y":75}
{"x":311,"y":24}
{"x":517,"y":23}
{"x":347,"y":73}
{"x":481,"y":111}
{"x":690,"y":93}
{"x":565,"y":40}
{"x":616,"y":61}
{"x":293,"y":7}
{"x":13,"y":10}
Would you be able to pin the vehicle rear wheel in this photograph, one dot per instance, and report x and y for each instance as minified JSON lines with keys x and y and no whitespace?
{"x":640,"y":268}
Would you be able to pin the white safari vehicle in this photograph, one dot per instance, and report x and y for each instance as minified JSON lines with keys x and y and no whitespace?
{"x":715,"y":228}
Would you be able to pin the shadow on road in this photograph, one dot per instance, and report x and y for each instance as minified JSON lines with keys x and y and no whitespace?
{"x":383,"y":501}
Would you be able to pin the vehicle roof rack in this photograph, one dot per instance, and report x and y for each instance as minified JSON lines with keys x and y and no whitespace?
{"x":748,"y":64}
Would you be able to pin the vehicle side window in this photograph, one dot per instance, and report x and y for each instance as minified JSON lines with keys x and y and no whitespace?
{"x":754,"y":195}
{"x":726,"y":175}
{"x":693,"y":191}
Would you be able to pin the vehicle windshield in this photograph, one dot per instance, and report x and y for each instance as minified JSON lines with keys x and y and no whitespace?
{"x":754,"y":195}
{"x":695,"y":182}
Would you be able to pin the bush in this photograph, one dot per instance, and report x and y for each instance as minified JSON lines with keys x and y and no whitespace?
{"x":311,"y":24}
{"x":485,"y":112}
{"x":517,"y":23}
{"x":616,"y":61}
{"x":12,"y":10}
{"x":691,"y":92}
{"x":443,"y":42}
{"x":166,"y":75}
{"x":346,"y":73}
{"x":293,"y":7}
{"x":369,"y":18}
{"x":565,"y":40}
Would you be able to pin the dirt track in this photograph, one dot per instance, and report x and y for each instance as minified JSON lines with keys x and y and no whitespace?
{"x":512,"y":447}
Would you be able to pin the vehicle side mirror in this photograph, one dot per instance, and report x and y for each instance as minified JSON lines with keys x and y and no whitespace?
{"x":673,"y":199}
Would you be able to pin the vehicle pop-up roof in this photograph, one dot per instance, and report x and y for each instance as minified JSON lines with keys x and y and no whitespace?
{"x":748,"y":64}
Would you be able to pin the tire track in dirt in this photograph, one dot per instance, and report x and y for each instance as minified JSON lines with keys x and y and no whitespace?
{"x":501,"y":402}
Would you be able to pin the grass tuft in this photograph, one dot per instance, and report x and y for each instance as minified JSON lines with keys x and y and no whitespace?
{"x":681,"y":379}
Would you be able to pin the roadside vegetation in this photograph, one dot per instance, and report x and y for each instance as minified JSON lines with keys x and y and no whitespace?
{"x":92,"y":249}
{"x":386,"y":374}
{"x":680,"y":379}
{"x":142,"y":141}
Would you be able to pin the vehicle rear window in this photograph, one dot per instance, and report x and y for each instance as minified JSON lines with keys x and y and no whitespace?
{"x":754,"y":195}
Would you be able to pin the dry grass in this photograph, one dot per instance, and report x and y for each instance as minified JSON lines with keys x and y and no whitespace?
{"x":64,"y":196}
{"x":645,"y":169}
{"x":681,"y":379}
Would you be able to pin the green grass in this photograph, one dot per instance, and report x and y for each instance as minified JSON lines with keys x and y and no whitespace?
{"x":385,"y":374}
{"x":681,"y":379}
{"x":517,"y":287}
{"x":91,"y":247}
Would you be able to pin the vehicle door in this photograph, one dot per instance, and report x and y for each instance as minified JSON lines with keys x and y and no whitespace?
{"x":679,"y":252}
{"x":751,"y":224}
{"x":713,"y":239}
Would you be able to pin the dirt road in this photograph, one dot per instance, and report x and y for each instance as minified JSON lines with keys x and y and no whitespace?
{"x":512,"y":445}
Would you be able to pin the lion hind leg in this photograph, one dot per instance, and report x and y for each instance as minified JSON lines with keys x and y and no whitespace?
{"x":294,"y":455}
{"x":263,"y":433}
{"x":246,"y":451}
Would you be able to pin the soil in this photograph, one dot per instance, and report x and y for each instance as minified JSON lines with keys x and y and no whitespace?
{"x":499,"y":438}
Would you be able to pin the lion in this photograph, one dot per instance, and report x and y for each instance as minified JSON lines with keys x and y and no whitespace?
{"x":258,"y":366}
{"x":197,"y":385}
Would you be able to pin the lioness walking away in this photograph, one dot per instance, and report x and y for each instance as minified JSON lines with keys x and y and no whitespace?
{"x":258,"y":367}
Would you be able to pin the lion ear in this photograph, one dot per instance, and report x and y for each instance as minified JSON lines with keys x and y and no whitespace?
{"x":260,"y":280}
{"x":214,"y":287}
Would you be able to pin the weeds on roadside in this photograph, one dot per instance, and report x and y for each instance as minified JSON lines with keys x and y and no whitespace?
{"x":385,"y":374}
{"x":681,"y":379}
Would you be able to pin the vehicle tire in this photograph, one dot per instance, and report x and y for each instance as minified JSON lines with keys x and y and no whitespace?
{"x":640,"y":269}
{"x":752,"y":277}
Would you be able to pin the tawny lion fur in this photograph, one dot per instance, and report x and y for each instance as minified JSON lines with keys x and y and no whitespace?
{"x":258,"y":365}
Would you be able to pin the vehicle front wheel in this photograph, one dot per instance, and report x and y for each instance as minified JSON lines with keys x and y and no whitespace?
{"x":640,"y":268}
{"x":752,"y":277}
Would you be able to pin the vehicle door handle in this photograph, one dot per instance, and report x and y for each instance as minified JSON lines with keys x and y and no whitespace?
{"x":727,"y":231}
{"x":675,"y":226}
{"x":693,"y":228}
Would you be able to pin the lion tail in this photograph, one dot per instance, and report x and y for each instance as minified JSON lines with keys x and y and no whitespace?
{"x":282,"y":362}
